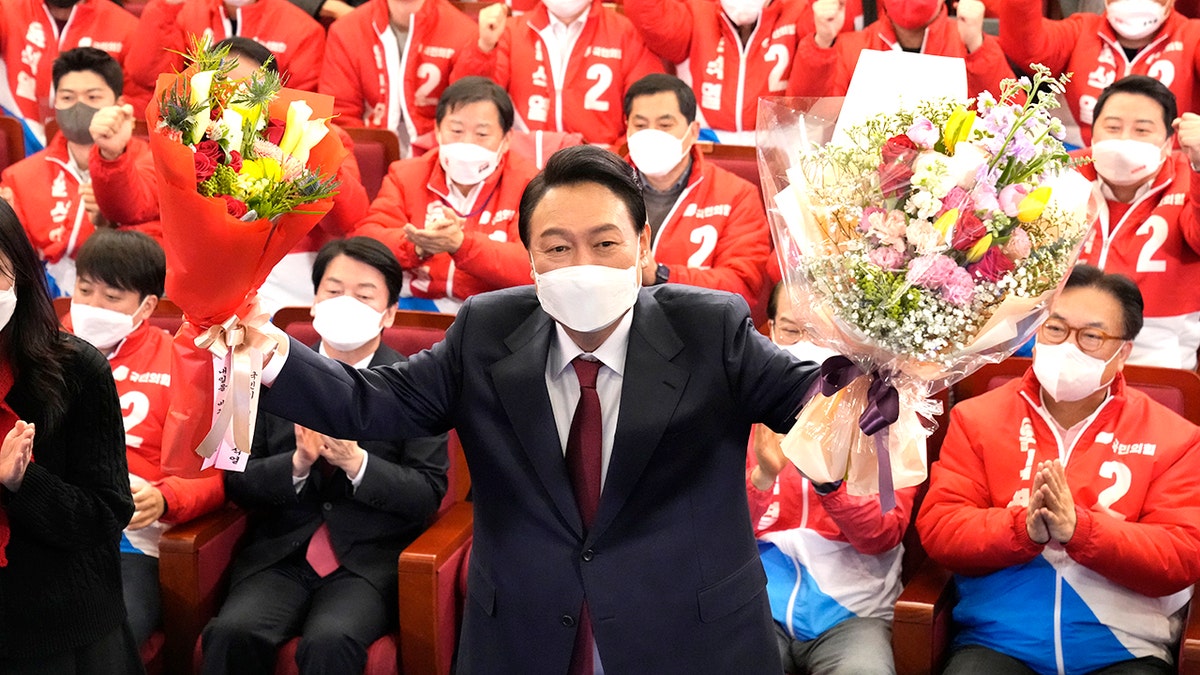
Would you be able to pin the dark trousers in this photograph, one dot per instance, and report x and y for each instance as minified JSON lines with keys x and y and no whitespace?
{"x":143,"y":601}
{"x":114,"y":654}
{"x":974,"y":659}
{"x":337,"y":619}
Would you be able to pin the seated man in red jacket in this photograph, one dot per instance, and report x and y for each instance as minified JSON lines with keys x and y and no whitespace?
{"x":52,"y":191}
{"x":920,"y":26}
{"x":120,"y":279}
{"x":388,"y":61}
{"x":450,"y":216}
{"x":707,"y":226}
{"x":1148,"y":227}
{"x":1066,"y":504}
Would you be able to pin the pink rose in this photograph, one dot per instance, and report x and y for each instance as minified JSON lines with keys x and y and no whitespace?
{"x":235,"y":207}
{"x":959,"y":290}
{"x":1010,"y":198}
{"x":992,"y":266}
{"x":923,"y":133}
{"x":1018,"y":245}
{"x":205,"y":166}
{"x":930,"y":271}
{"x":887,"y":257}
{"x":969,"y":230}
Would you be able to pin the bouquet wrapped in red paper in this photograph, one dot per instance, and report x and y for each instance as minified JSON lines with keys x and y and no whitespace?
{"x":244,"y":172}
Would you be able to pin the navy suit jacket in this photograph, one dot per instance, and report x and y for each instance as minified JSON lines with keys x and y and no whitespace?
{"x":670,"y":568}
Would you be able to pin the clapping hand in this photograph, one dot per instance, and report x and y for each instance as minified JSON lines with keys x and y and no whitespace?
{"x":15,"y":454}
{"x":346,"y":455}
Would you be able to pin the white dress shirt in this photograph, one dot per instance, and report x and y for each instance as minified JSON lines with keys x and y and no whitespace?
{"x":560,"y":39}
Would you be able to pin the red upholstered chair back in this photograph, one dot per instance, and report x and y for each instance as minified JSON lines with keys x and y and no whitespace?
{"x":375,"y":150}
{"x":740,"y":160}
{"x":12,"y":141}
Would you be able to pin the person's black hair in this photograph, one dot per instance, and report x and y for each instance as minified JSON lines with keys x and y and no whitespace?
{"x":367,"y":251}
{"x":245,"y":48}
{"x":124,"y":259}
{"x":474,"y":89}
{"x":657,"y":83}
{"x":584,"y":164}
{"x":31,"y":340}
{"x":1120,"y":287}
{"x":83,"y":59}
{"x":773,"y":301}
{"x":1142,"y":85}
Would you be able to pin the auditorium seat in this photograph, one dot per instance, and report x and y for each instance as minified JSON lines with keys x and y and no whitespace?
{"x":375,"y":150}
{"x":12,"y":141}
{"x":922,"y":629}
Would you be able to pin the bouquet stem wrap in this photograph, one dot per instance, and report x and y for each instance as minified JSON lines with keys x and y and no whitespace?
{"x":215,"y":265}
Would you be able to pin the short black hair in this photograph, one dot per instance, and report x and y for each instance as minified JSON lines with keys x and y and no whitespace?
{"x":773,"y":301}
{"x":367,"y":251}
{"x":1120,"y":287}
{"x":124,"y":259}
{"x":657,"y":83}
{"x":474,"y":89}
{"x":584,"y":164}
{"x":91,"y":59}
{"x":245,"y":48}
{"x":1142,"y":85}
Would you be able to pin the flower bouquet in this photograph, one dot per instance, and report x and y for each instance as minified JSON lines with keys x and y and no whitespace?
{"x":244,"y":172}
{"x":925,"y":244}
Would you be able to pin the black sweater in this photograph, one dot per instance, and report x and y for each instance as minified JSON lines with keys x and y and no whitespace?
{"x":62,"y":586}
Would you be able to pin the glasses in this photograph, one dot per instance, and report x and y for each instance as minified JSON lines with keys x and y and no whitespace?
{"x":1090,"y":340}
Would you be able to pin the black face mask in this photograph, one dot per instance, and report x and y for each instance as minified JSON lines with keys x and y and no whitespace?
{"x":74,"y":123}
{"x":62,"y":4}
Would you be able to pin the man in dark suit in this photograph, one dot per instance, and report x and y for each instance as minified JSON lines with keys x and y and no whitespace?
{"x":329,"y":517}
{"x":633,"y":528}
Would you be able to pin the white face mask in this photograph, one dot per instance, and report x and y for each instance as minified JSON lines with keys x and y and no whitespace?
{"x":8,"y":305}
{"x":566,"y":9}
{"x":586,"y":298}
{"x":346,"y":323}
{"x":103,"y":328}
{"x":1124,"y":161}
{"x":743,"y":12}
{"x":467,"y":163}
{"x":1135,"y":19}
{"x":1066,"y":373}
{"x":655,"y":153}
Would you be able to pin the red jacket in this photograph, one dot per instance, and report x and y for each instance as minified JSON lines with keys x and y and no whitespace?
{"x":376,"y":82}
{"x":125,"y":188}
{"x":716,"y":235}
{"x":1156,"y":242}
{"x":294,"y":37}
{"x":607,"y":58}
{"x":1086,"y":45}
{"x":698,"y":37}
{"x":491,"y":256}
{"x":827,"y":72}
{"x":46,"y":199}
{"x":30,"y":41}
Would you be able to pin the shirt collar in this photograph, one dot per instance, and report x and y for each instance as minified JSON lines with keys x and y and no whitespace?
{"x":611,"y":353}
{"x":577,"y":24}
{"x":365,"y":363}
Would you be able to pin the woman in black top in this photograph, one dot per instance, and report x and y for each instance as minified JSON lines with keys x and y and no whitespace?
{"x":64,"y":485}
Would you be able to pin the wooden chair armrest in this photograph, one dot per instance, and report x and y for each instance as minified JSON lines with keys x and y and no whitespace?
{"x":921,"y":626}
{"x":428,"y":572}
{"x":1189,"y":644}
{"x":193,"y":570}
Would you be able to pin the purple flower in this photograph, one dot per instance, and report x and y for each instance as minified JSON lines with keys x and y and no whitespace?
{"x":959,"y":290}
{"x":1010,"y":198}
{"x":1021,"y":147}
{"x":887,"y":257}
{"x":930,"y":271}
{"x":992,"y":266}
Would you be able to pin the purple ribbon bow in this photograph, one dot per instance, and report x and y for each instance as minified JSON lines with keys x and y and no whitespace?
{"x":883,"y":409}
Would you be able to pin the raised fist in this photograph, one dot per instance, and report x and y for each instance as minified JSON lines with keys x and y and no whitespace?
{"x":491,"y":25}
{"x":111,"y":130}
{"x":970,"y":23}
{"x":828,"y":15}
{"x":1188,"y":128}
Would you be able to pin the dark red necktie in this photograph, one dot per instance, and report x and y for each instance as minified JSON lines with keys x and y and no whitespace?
{"x":584,"y":444}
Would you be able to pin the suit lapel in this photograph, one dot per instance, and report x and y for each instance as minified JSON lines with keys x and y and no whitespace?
{"x":520,"y":380}
{"x":650,"y":390}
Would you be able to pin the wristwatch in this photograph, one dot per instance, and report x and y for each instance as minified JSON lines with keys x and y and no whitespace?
{"x":662,"y":275}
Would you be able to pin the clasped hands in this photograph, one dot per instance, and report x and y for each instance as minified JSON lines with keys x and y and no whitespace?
{"x":311,"y":445}
{"x":443,"y":233}
{"x":1051,"y":512}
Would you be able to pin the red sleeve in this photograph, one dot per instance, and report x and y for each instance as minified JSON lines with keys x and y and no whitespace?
{"x":304,"y":67}
{"x":493,"y":64}
{"x":638,"y":60}
{"x":1159,"y":554}
{"x":1189,"y":220}
{"x":340,"y":79}
{"x":665,"y":25}
{"x":868,"y":529}
{"x":813,"y":69}
{"x":498,"y":264}
{"x":740,"y":259}
{"x":959,"y":527}
{"x":350,"y":204}
{"x":387,"y":216}
{"x":189,"y":498}
{"x":159,"y":32}
{"x":986,"y":67}
{"x":1028,"y":37}
{"x":126,"y":187}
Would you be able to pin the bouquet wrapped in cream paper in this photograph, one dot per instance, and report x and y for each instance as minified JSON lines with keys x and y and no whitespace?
{"x":925,"y":243}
